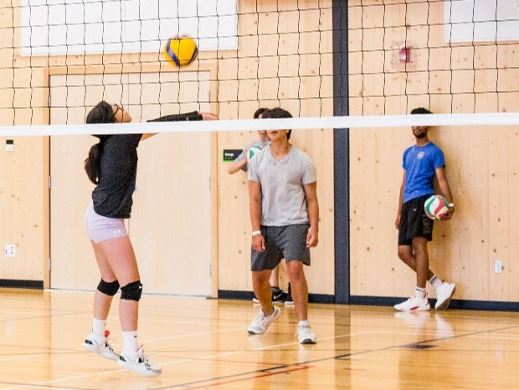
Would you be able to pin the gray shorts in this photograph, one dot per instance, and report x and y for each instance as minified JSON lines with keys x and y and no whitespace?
{"x":101,"y":228}
{"x":282,"y":242}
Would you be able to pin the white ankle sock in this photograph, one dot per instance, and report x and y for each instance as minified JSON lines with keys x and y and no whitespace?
{"x":98,"y":327}
{"x":436,"y":282}
{"x":131,"y":343}
{"x":303,"y":323}
{"x":419,"y":292}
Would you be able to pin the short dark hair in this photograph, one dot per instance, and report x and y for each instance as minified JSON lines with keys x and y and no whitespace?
{"x":260,"y":111}
{"x":278,"y":113}
{"x":420,"y":110}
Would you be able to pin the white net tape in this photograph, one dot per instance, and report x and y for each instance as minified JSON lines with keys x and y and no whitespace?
{"x":339,"y":122}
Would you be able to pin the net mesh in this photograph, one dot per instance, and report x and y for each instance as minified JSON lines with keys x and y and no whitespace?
{"x":59,"y":58}
{"x":454,"y":56}
{"x":68,"y":55}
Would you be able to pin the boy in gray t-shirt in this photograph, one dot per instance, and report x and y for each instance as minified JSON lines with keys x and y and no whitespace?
{"x":284,"y":215}
{"x":241,"y":163}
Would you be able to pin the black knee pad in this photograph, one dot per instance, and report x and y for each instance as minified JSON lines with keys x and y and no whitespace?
{"x":132,"y":291}
{"x":108,"y":288}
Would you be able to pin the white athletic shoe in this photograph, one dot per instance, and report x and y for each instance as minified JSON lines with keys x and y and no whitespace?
{"x":100,"y":346}
{"x":139,"y":363}
{"x":414,"y":304}
{"x":261,"y":322}
{"x":305,"y":335}
{"x":444,"y":292}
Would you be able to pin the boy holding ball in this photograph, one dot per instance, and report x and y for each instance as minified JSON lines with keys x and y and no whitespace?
{"x":422,"y":162}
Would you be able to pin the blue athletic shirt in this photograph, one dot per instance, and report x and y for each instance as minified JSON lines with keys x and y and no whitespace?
{"x":420,"y":163}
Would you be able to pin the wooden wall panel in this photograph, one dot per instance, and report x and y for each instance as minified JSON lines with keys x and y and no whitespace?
{"x":482,"y":163}
{"x":303,"y":75}
{"x":305,"y":64}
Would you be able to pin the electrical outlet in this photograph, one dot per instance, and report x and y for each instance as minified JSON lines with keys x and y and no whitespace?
{"x":498,"y":266}
{"x":9,"y":145}
{"x":10,"y":250}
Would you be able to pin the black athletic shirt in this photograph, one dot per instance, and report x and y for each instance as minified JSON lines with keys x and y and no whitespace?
{"x":112,"y":196}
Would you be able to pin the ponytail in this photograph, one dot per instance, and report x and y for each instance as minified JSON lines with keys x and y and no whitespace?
{"x":101,"y":113}
{"x":93,"y":163}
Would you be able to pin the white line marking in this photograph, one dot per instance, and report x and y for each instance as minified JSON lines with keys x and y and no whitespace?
{"x":185,"y":360}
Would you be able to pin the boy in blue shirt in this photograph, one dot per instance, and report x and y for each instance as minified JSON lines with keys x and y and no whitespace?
{"x":422,"y":162}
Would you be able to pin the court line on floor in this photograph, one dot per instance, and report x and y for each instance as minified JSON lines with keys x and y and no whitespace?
{"x":185,"y":360}
{"x":82,"y":351}
{"x":433,"y":340}
{"x":44,"y":316}
{"x":208,"y":382}
{"x":217,"y":355}
{"x":267,"y":347}
{"x":253,"y":375}
{"x":45,"y":386}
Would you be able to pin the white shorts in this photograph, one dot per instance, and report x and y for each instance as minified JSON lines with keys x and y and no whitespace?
{"x":101,"y":228}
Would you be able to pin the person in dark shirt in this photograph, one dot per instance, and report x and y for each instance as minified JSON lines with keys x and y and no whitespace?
{"x":112,"y":166}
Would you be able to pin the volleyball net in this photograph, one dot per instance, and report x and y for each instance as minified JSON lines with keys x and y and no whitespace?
{"x":60,"y":58}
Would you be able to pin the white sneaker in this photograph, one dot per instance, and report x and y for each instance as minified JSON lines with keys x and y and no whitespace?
{"x":100,"y":346}
{"x":139,"y":363}
{"x":414,"y":304}
{"x":261,"y":322}
{"x":305,"y":335}
{"x":444,"y":293}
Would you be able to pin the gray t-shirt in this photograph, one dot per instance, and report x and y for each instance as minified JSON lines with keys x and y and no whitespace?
{"x":283,"y":200}
{"x":259,"y":144}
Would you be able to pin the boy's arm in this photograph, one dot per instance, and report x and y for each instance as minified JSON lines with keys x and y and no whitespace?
{"x":400,"y":203}
{"x":258,"y":242}
{"x":237,"y":165}
{"x":445,"y":190}
{"x":313,"y":214}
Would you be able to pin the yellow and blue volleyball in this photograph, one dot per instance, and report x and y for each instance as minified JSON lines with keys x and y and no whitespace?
{"x":180,"y":51}
{"x":436,"y":207}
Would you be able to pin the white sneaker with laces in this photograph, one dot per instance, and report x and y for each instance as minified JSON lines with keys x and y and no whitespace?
{"x":100,"y":346}
{"x":304,"y":332}
{"x":261,"y":322}
{"x":444,"y":293}
{"x":137,"y":362}
{"x":414,"y":304}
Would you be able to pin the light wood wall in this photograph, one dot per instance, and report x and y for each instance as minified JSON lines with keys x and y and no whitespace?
{"x":245,"y":79}
{"x":24,"y":198}
{"x":482,"y":162}
{"x":266,"y":80}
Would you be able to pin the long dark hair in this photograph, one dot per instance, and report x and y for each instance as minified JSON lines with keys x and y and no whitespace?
{"x":101,"y":113}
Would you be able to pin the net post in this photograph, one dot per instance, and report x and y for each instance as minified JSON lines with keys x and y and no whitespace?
{"x":341,"y":152}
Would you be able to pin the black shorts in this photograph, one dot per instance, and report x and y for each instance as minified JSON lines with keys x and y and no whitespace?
{"x":288,"y":242}
{"x":414,"y":222}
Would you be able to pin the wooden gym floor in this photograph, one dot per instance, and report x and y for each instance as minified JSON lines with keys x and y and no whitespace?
{"x":204,"y":344}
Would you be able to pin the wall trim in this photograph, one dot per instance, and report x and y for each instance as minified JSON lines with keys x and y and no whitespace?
{"x":362,"y":300}
{"x":460,"y":304}
{"x":248,"y":295}
{"x":15,"y":283}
